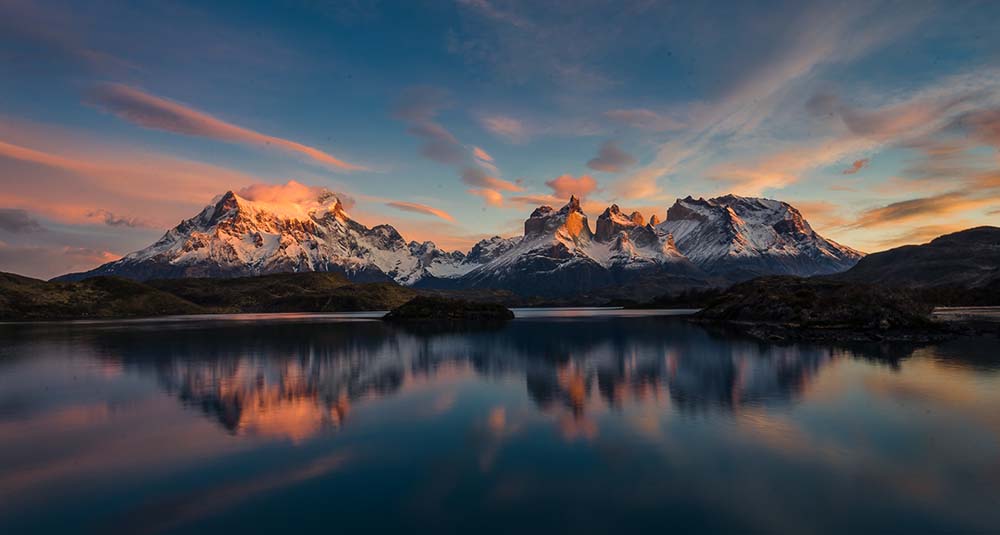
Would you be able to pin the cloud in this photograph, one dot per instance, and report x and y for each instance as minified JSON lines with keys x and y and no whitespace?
{"x":509,"y":128}
{"x":892,"y":122}
{"x":18,"y":221}
{"x":822,"y":215}
{"x":475,"y":176}
{"x":984,"y":124}
{"x":611,"y":159}
{"x":65,"y":175}
{"x":536,"y":200}
{"x":490,"y":11}
{"x":644,"y":118}
{"x":937,"y":205}
{"x":550,"y":43}
{"x":418,"y":107}
{"x":565,"y":185}
{"x":50,"y":261}
{"x":420,"y":104}
{"x":856,"y":166}
{"x":439,"y":144}
{"x":922,"y":234}
{"x":150,"y":111}
{"x":421,"y":209}
{"x":491,"y":197}
{"x":481,"y":155}
{"x":783,"y":167}
{"x":484,"y":160}
{"x":112,"y":220}
{"x":293,"y":192}
{"x":803,"y":41}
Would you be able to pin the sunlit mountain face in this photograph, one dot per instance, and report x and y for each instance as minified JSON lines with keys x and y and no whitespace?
{"x":451,"y":121}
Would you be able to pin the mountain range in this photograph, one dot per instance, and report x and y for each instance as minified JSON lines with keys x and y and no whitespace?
{"x":702,"y":242}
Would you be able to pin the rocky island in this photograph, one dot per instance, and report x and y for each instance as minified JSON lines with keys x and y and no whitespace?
{"x":442,"y":309}
{"x":784,"y":307}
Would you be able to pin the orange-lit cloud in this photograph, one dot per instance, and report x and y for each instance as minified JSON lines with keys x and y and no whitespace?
{"x":292,"y":192}
{"x":858,"y":165}
{"x":922,"y":234}
{"x":912,"y":209}
{"x":71,"y":187}
{"x":822,"y":214}
{"x":474,"y":176}
{"x":150,"y":111}
{"x":905,"y":119}
{"x":491,"y":197}
{"x":784,"y":167}
{"x":565,"y":185}
{"x":482,"y":155}
{"x":484,"y":160}
{"x":421,"y":209}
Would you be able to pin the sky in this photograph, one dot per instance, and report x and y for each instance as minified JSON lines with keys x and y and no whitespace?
{"x":453,"y":119}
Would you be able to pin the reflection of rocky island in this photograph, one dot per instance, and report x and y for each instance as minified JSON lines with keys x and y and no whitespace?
{"x":294,"y":379}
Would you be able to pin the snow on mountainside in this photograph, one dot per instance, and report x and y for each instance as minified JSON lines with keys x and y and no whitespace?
{"x":559,"y":254}
{"x":742,"y":237}
{"x":236,"y":237}
{"x":727,"y":237}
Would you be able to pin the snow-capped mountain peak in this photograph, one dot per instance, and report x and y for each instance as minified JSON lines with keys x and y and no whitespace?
{"x":253,"y":234}
{"x":746,"y":236}
{"x":237,"y":236}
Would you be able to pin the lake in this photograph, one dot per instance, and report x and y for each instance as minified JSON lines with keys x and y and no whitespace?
{"x":583,"y":420}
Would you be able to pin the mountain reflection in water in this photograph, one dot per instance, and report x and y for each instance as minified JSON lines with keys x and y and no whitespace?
{"x":295,"y":380}
{"x":588,"y":423}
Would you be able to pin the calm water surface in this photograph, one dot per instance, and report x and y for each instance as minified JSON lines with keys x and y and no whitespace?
{"x":592,"y":423}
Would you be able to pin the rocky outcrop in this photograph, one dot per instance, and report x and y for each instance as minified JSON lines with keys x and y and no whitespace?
{"x":793,"y":307}
{"x":440,"y":309}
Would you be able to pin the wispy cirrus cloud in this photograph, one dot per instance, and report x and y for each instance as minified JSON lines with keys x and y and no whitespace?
{"x":919,"y":208}
{"x":50,"y":172}
{"x":644,"y":118}
{"x":418,"y":208}
{"x":419,"y":107}
{"x":475,"y":176}
{"x":809,"y":38}
{"x":510,"y":128}
{"x":158,"y":113}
